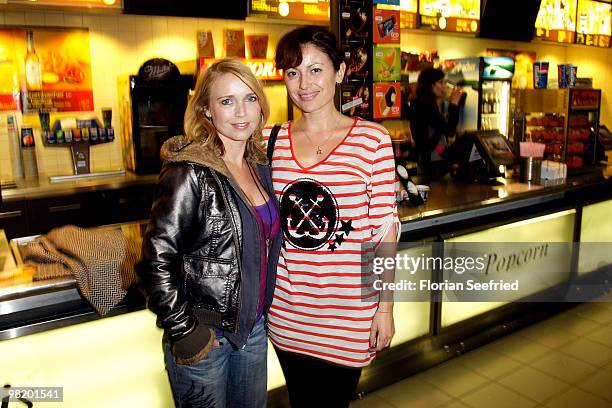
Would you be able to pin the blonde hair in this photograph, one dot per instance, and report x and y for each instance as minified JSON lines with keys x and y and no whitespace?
{"x":199,"y":127}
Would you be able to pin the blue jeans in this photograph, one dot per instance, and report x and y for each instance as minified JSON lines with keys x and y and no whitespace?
{"x":227,"y":377}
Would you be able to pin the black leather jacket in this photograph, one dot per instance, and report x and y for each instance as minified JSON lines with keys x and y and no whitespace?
{"x":192,"y":267}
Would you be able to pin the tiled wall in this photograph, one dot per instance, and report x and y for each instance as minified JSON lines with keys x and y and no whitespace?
{"x":119,"y":45}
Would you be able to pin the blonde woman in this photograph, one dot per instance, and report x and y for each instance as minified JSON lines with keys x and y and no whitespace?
{"x":211,"y":246}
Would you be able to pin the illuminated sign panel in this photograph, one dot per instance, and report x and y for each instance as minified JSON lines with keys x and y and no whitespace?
{"x":594,"y":21}
{"x":556,"y":21}
{"x":462,"y":16}
{"x":313,"y":11}
{"x":408,"y":13}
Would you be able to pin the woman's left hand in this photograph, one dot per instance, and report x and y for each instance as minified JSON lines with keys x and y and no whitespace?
{"x":382,"y":330}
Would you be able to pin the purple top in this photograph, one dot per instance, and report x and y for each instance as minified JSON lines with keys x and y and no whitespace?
{"x":268,"y":219}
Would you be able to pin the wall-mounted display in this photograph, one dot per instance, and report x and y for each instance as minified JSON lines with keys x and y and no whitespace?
{"x":45,"y":69}
{"x":233,"y":43}
{"x":408,"y":13}
{"x":310,"y":11}
{"x":357,"y":99}
{"x":462,"y":16}
{"x":355,"y":22}
{"x":357,"y":57}
{"x":594,"y":21}
{"x":556,"y":21}
{"x":387,"y":66}
{"x":205,"y":44}
{"x":387,"y":100}
{"x":257,"y":45}
{"x":386,"y":26}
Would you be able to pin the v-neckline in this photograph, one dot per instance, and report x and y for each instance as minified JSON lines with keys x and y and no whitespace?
{"x":332,"y":151}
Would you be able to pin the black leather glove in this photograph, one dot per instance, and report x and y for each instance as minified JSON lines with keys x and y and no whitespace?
{"x":195,"y":346}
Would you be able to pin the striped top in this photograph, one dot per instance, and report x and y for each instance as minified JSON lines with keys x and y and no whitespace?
{"x":328,"y":210}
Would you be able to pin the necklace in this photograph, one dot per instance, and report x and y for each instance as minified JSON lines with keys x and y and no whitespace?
{"x":267,"y":234}
{"x":319,"y":146}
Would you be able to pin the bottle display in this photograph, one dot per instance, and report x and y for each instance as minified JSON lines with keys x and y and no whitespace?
{"x":32,"y":65}
{"x":14,"y":147}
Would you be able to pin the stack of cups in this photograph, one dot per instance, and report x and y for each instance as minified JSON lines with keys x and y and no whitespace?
{"x":540,"y":75}
{"x":566,"y":75}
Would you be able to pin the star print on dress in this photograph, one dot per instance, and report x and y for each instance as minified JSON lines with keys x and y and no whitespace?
{"x":346,"y":227}
{"x":339,"y":238}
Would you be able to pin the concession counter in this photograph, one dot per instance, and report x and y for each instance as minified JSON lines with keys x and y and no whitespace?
{"x":51,"y":337}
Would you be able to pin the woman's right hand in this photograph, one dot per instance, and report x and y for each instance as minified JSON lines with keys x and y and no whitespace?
{"x":455,"y":96}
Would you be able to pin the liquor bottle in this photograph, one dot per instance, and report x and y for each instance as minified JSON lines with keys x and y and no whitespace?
{"x":32,"y":65}
{"x":485,"y":104}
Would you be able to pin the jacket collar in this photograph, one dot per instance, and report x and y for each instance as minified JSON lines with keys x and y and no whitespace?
{"x":182,"y":149}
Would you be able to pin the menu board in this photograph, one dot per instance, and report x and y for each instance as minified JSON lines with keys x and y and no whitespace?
{"x":311,"y":11}
{"x":461,"y":16}
{"x":45,"y":69}
{"x":556,"y":21}
{"x":408,"y":13}
{"x":594,"y":20}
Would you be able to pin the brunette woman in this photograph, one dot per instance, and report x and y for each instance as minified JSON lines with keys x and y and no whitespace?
{"x":432,"y":128}
{"x":334,"y":177}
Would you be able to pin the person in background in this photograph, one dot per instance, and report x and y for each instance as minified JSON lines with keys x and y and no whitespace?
{"x":334,"y":178}
{"x":211,"y":246}
{"x":431,"y":127}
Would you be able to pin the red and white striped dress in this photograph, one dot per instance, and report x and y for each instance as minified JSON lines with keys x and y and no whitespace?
{"x":328,"y":211}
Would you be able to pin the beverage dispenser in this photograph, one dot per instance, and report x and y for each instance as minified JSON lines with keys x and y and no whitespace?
{"x":151,"y":106}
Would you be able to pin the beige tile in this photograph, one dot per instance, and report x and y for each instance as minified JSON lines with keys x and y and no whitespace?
{"x":370,"y":401}
{"x":599,"y":384}
{"x":547,"y":334}
{"x":595,"y":312}
{"x":563,"y":366}
{"x":455,"y":404}
{"x":520,"y":348}
{"x":413,"y":393}
{"x":575,"y":398}
{"x":533,"y":384}
{"x":574,"y":324}
{"x":35,"y":18}
{"x":109,"y":23}
{"x":494,"y":395}
{"x":14,"y":18}
{"x":602,"y":335}
{"x":454,"y":378}
{"x":588,"y":351}
{"x":54,"y":19}
{"x":73,"y":20}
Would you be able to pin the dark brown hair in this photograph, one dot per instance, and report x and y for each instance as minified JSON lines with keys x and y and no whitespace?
{"x":289,"y":48}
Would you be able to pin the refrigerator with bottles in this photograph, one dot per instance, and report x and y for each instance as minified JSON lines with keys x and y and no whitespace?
{"x":487,"y":83}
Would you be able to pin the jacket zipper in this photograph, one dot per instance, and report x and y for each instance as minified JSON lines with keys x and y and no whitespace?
{"x":236,"y":240}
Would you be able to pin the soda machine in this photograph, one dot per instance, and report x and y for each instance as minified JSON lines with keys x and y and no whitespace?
{"x":487,"y":82}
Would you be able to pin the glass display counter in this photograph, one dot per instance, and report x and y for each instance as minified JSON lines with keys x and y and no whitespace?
{"x":565,"y":120}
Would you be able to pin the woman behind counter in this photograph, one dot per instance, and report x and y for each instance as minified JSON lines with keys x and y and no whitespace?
{"x":431,"y":128}
{"x":211,"y":247}
{"x":334,"y":176}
